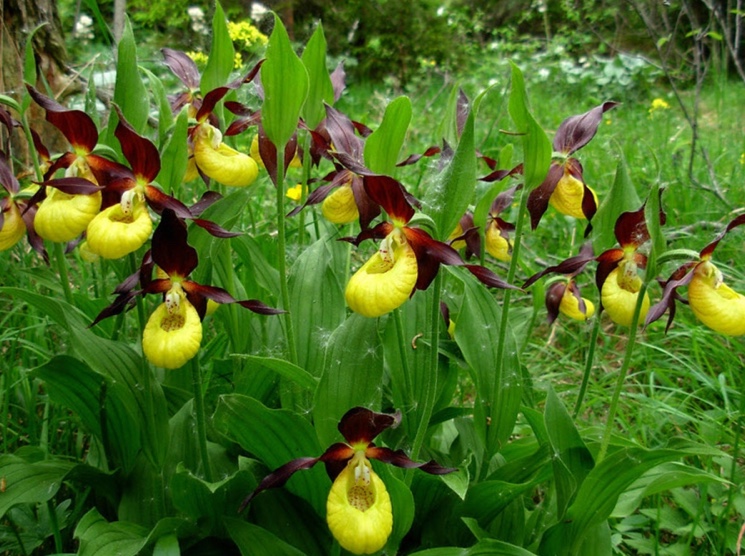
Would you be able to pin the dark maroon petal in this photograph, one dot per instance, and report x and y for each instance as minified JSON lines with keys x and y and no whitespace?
{"x":369,"y":210}
{"x":123,"y":301}
{"x":211,"y":99}
{"x":170,"y":251}
{"x":40,"y":147}
{"x":242,"y":124}
{"x":571,"y":266}
{"x":445,"y":312}
{"x":488,"y":278}
{"x":159,"y":285}
{"x":28,"y":212}
{"x":538,"y":198}
{"x":607,"y":261}
{"x":268,"y":152}
{"x":681,"y":277}
{"x":503,"y":200}
{"x":7,"y":178}
{"x":7,"y":120}
{"x":389,"y":194}
{"x":219,"y":295}
{"x":73,"y":186}
{"x":336,"y":457}
{"x":159,"y":201}
{"x":341,"y":131}
{"x":207,"y":199}
{"x":400,"y":459}
{"x":576,"y":131}
{"x":105,"y":170}
{"x":707,"y":251}
{"x":413,"y":158}
{"x":77,"y":126}
{"x":360,"y":425}
{"x":430,"y":254}
{"x":252,"y":74}
{"x":215,"y":230}
{"x":631,"y":228}
{"x":338,"y":80}
{"x":462,"y":107}
{"x":140,"y":152}
{"x":378,"y":232}
{"x":182,"y":67}
{"x":554,"y":295}
{"x":279,"y":477}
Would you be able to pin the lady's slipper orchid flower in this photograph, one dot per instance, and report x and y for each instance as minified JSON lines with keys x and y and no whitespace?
{"x":564,"y":297}
{"x":358,"y":509}
{"x":564,"y":187}
{"x":617,"y":274}
{"x":344,"y":197}
{"x":174,"y":331}
{"x":407,"y":260}
{"x":219,"y":161}
{"x":12,"y":226}
{"x":712,"y":301}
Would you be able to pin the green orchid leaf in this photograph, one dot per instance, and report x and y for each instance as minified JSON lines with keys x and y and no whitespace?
{"x":174,"y":158}
{"x":536,"y":146}
{"x":125,"y":366}
{"x":621,"y":198}
{"x":285,"y":369}
{"x":98,"y":537}
{"x":300,"y":526}
{"x":662,"y":478}
{"x":485,"y":547}
{"x":129,"y":91}
{"x":598,"y":494}
{"x":285,"y":82}
{"x":167,"y":546}
{"x":572,"y":460}
{"x":447,"y":200}
{"x":30,"y":482}
{"x":484,"y":501}
{"x":29,"y":59}
{"x":402,"y":503}
{"x":320,"y":89}
{"x":353,"y":371}
{"x":165,"y":114}
{"x":104,"y":408}
{"x":253,"y":540}
{"x":275,"y":436}
{"x":499,"y":381}
{"x":652,"y":215}
{"x":382,"y":147}
{"x":222,"y":54}
{"x":316,"y":301}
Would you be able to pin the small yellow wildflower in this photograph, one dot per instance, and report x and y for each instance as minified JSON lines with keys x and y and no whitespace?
{"x":295,"y":192}
{"x":200,"y":58}
{"x":658,"y":104}
{"x":245,"y":35}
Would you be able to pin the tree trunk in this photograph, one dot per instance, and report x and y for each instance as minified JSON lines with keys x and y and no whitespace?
{"x":19,"y":18}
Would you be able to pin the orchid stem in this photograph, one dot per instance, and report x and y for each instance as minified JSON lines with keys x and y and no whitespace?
{"x":59,"y":256}
{"x":429,"y":390}
{"x":588,"y":366}
{"x":605,"y":442}
{"x":409,"y":390}
{"x":196,"y":379}
{"x":282,"y":255}
{"x":504,"y":322}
